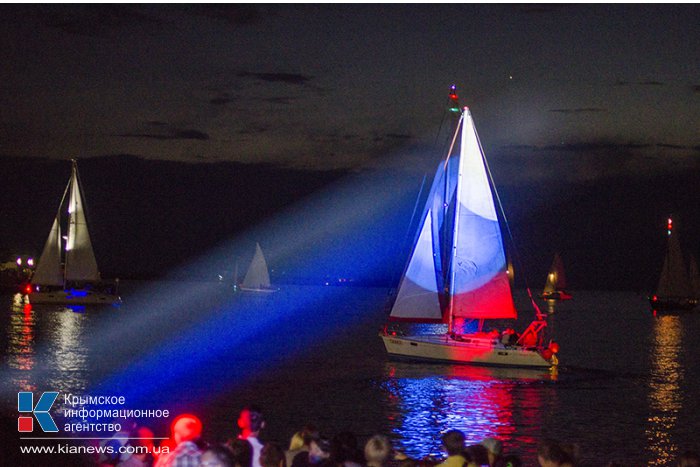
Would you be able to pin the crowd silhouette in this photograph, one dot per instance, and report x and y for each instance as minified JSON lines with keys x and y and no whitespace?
{"x":309,"y":448}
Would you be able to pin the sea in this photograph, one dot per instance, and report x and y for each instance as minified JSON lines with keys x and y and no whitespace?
{"x":627,"y":388}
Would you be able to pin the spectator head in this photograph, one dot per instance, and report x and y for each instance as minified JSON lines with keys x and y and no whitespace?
{"x":242,"y":452}
{"x":494,"y":448}
{"x":319,"y":449}
{"x":377,"y":450}
{"x":272,"y":455}
{"x":297,"y":441}
{"x":453,"y":441}
{"x":550,"y":453}
{"x":251,"y":420}
{"x":186,"y":427}
{"x":217,"y":456}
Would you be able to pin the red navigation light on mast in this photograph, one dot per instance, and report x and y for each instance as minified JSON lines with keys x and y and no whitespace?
{"x":669,"y":226}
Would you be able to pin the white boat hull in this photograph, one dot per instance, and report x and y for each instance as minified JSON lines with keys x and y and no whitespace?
{"x":470,"y":351}
{"x":73,"y":297}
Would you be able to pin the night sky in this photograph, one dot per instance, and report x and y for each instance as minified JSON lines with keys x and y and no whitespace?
{"x":589,"y":114}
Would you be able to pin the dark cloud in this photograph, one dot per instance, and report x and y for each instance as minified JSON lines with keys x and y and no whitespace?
{"x":223,"y":100}
{"x":397,"y":136}
{"x":169,"y":134}
{"x":253,"y":131}
{"x":287,"y":78}
{"x":278,"y":100}
{"x":539,"y":8}
{"x":233,"y":14}
{"x":577,"y":111}
{"x":671,"y":146}
{"x":90,"y":20}
{"x":584,"y":148}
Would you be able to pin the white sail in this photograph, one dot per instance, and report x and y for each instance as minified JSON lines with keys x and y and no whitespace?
{"x":48,"y":270}
{"x":81,"y":264}
{"x":417,"y":298}
{"x":257,"y":276}
{"x":480,"y":287}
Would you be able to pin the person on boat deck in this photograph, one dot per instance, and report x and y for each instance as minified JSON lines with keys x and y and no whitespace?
{"x":453,"y":441}
{"x":251,"y":421}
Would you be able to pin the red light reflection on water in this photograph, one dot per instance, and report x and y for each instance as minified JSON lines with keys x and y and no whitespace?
{"x":426,"y":400}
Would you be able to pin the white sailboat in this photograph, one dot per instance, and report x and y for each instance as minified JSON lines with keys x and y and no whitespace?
{"x":678,"y":287}
{"x":555,"y":285}
{"x":257,"y":279}
{"x":458,"y":274}
{"x":67,"y":270}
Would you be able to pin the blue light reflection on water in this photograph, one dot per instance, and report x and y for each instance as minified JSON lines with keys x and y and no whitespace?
{"x":424,"y":400}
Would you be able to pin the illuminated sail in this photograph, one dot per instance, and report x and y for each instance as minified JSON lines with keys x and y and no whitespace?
{"x":48,"y":270}
{"x":79,"y":261}
{"x":257,"y":275}
{"x":556,"y":280}
{"x":81,"y":264}
{"x":459,"y":248}
{"x":480,"y":286}
{"x":417,"y":298}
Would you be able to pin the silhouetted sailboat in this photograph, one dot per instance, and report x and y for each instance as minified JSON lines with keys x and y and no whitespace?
{"x":555,"y":286}
{"x":678,"y":287}
{"x":67,"y":270}
{"x":257,"y":279}
{"x":457,"y":272}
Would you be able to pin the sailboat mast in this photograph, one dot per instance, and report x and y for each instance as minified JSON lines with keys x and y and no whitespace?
{"x":72,"y":207}
{"x":455,"y":227}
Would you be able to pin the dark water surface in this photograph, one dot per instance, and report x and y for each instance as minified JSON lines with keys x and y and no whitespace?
{"x":627,"y":390}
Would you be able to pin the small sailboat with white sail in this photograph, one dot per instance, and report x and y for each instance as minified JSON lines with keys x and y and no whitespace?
{"x":555,"y":286}
{"x":679,"y":287}
{"x":257,"y":279}
{"x":67,"y":272}
{"x":457,"y":273}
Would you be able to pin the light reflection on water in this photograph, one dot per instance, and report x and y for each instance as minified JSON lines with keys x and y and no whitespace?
{"x":425,"y":401}
{"x":45,"y":348}
{"x":20,"y":342}
{"x":665,"y":398}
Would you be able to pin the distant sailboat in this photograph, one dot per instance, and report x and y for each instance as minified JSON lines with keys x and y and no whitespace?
{"x":555,"y":286}
{"x":457,"y":272}
{"x":678,"y":287}
{"x":257,"y":279}
{"x":67,"y":270}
